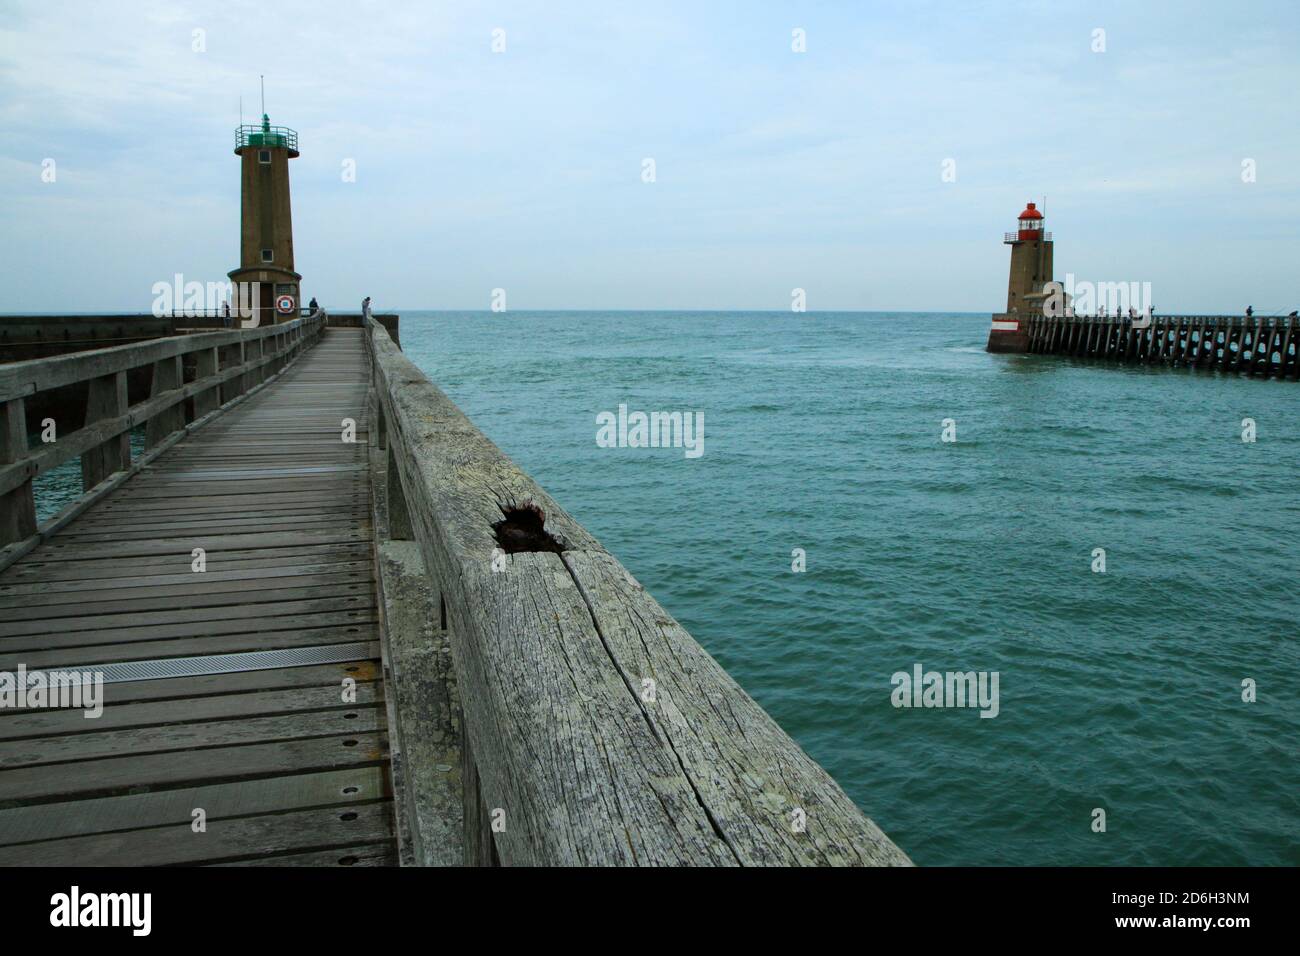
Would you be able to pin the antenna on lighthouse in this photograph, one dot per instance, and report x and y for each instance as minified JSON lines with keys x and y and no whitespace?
{"x":262,"y":77}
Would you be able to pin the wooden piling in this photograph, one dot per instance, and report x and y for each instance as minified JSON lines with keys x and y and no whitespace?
{"x":106,"y":401}
{"x":17,"y":507}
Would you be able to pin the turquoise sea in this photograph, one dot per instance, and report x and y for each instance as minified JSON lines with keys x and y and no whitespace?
{"x":1119,"y":690}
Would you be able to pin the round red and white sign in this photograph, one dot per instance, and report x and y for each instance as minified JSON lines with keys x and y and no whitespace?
{"x":284,"y":304}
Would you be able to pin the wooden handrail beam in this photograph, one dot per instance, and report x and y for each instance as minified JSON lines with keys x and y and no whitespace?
{"x":22,"y":379}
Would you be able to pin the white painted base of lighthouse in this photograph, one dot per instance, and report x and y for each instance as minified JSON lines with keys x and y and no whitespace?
{"x":1008,"y":334}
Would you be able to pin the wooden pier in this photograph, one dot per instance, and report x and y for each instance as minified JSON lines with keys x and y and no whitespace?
{"x":336,"y":625}
{"x":1257,"y":346}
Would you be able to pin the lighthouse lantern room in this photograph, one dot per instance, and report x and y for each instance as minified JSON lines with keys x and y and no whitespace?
{"x":1031,"y":223}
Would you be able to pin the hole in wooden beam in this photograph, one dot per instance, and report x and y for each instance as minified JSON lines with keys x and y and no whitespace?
{"x":523,"y":529}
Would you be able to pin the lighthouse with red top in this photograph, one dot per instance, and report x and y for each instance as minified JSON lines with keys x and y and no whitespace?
{"x":1031,"y":271}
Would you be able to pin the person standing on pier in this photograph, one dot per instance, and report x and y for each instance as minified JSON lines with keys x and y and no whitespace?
{"x":365,"y":307}
{"x":313,"y":306}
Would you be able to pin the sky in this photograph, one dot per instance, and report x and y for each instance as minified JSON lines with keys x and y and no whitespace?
{"x":1169,"y":156}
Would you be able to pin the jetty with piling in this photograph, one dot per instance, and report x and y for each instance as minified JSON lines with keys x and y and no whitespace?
{"x":1040,"y":319}
{"x":1256,"y":346}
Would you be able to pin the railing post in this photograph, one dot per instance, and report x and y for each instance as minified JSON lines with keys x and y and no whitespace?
{"x":17,"y":507}
{"x":479,"y":847}
{"x":1256,"y":334}
{"x":399,"y":517}
{"x":106,"y":398}
{"x":378,"y":424}
{"x":1291,"y":325}
{"x":205,"y":366}
{"x":258,"y":375}
{"x":232,"y":356}
{"x":167,"y":377}
{"x":1283,"y":367}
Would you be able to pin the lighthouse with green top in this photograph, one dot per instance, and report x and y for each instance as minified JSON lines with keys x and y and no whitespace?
{"x":265,"y":284}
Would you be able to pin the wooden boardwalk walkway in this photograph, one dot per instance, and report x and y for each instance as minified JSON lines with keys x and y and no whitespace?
{"x":400,"y":649}
{"x":226,"y":690}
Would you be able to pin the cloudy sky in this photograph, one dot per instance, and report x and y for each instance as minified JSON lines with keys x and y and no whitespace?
{"x":522,"y":169}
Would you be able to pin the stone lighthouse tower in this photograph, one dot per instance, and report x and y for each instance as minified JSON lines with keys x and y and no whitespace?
{"x":1031,"y":270}
{"x":266,"y":287}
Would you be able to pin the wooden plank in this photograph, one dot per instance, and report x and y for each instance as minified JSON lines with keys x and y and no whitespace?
{"x":166,"y":575}
{"x":56,"y":550}
{"x":197,"y":594}
{"x":100,"y":647}
{"x":199,"y":509}
{"x":99,"y":620}
{"x":378,"y":854}
{"x":127,"y":533}
{"x":242,"y":838}
{"x":38,"y":723}
{"x":103,"y":569}
{"x":250,"y":577}
{"x":219,"y":685}
{"x":114,"y":775}
{"x":177,"y":734}
{"x":52,"y":821}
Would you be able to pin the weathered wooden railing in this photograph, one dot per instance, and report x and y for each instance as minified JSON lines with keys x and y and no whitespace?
{"x":224,"y":366}
{"x":1258,"y":345}
{"x":595,"y":729}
